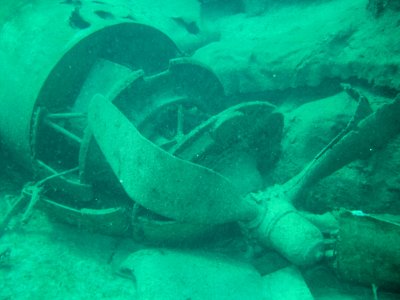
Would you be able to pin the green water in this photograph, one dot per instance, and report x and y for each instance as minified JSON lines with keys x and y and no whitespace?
{"x":213,"y":149}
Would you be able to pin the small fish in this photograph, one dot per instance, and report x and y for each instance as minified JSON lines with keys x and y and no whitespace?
{"x":190,"y":26}
{"x":76,"y":20}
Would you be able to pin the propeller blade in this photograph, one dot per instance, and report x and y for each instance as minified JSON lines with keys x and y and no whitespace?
{"x":159,"y":181}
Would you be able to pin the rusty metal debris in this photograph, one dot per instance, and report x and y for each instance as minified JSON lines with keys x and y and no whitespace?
{"x":159,"y":136}
{"x":368,"y":250}
{"x":159,"y":181}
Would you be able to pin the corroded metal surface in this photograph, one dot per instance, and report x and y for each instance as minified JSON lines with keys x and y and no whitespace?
{"x":368,"y":250}
{"x":45,"y":60}
{"x":159,"y":181}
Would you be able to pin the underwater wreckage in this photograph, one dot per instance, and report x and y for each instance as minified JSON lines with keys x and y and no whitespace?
{"x":127,"y":136}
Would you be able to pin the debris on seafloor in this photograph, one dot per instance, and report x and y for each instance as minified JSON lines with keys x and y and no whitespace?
{"x":274,"y":222}
{"x":29,"y":197}
{"x":160,"y":274}
{"x":360,"y":256}
{"x":159,"y":181}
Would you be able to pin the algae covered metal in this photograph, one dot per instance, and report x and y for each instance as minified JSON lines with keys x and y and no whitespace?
{"x":368,"y":249}
{"x":120,"y":125}
{"x":46,"y":62}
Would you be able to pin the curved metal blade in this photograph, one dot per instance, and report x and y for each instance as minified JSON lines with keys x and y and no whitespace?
{"x":165,"y":184}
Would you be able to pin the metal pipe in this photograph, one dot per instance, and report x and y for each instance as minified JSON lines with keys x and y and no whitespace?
{"x":63,"y":131}
{"x":65,"y":116}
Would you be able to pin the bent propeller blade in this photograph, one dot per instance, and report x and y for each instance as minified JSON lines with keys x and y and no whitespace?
{"x":163,"y":183}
